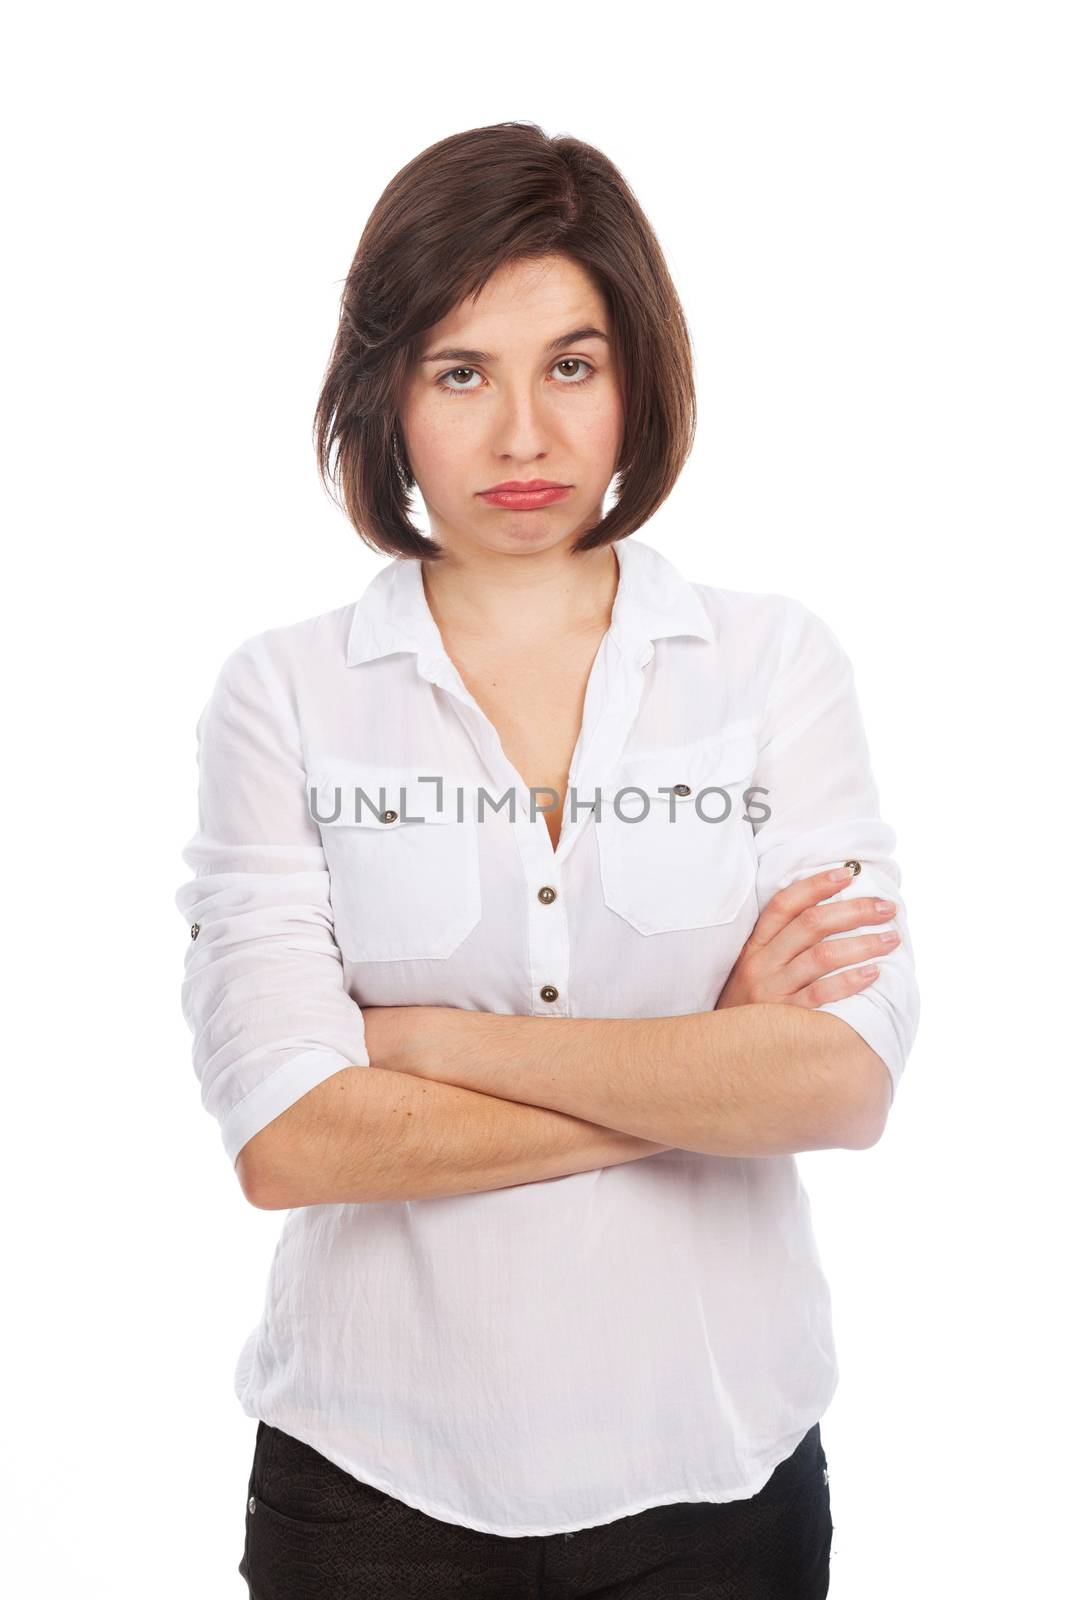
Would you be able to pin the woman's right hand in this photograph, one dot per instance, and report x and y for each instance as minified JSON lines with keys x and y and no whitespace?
{"x":787,"y":955}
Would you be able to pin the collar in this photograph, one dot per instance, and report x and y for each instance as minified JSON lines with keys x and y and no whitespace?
{"x":653,"y":601}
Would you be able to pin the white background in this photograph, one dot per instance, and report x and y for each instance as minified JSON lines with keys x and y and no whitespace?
{"x":866,"y":210}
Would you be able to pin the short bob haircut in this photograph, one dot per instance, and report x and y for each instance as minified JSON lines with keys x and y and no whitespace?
{"x":446,"y":222}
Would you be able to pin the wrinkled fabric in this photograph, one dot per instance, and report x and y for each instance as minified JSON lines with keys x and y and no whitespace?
{"x":556,"y":1355}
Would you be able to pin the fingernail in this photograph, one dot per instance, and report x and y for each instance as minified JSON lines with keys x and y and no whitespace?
{"x":839,"y":875}
{"x":884,"y":905}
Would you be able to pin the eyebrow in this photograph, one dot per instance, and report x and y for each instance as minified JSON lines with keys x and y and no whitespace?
{"x":574,"y":337}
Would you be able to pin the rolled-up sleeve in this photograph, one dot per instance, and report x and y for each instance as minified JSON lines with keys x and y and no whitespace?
{"x":263,"y":991}
{"x":814,"y":761}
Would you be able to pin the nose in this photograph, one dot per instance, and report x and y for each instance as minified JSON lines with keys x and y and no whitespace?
{"x":522,"y":425}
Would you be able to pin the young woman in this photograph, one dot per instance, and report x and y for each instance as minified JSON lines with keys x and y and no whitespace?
{"x":541,"y":911}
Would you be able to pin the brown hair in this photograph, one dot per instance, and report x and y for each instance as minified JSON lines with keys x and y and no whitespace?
{"x":446,"y":222}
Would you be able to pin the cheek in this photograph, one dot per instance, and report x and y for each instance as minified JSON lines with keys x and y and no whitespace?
{"x":598,"y":429}
{"x":433,"y":437}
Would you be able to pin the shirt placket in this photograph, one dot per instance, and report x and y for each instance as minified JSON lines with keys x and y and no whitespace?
{"x":612,"y":699}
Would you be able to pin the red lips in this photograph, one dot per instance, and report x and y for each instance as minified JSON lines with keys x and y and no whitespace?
{"x":518,"y":487}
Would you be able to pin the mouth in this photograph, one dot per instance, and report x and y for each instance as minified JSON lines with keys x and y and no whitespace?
{"x":529,"y":496}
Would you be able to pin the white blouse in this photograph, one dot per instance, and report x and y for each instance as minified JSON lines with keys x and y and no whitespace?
{"x":553,"y":1355}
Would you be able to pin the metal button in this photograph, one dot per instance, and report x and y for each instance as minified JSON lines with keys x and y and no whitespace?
{"x":195,"y":929}
{"x":549,"y":993}
{"x":682,"y":788}
{"x":251,"y":1504}
{"x":389,"y":816}
{"x":854,"y":864}
{"x":546,"y":895}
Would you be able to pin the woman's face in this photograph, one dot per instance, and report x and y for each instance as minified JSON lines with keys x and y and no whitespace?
{"x":499,"y":393}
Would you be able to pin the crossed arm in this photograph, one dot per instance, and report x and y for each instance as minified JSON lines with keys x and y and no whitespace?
{"x":464,"y":1100}
{"x":467,"y":1101}
{"x":751,"y":1080}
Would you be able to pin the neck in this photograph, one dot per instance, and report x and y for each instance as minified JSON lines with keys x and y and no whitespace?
{"x":521,"y":601}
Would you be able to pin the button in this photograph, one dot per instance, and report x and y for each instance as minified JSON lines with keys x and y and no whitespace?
{"x":682,"y":788}
{"x":195,"y":929}
{"x":251,"y":1504}
{"x":854,"y":864}
{"x":549,"y":993}
{"x":546,"y":895}
{"x":389,"y":816}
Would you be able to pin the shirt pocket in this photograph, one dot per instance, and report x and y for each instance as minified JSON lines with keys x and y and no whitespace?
{"x":694,"y":871}
{"x":405,"y":879}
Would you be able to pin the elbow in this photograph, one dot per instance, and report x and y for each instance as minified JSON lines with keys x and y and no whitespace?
{"x":851,"y":1091}
{"x":292,"y":1161}
{"x":868,"y":1096}
{"x":857,"y":1084}
{"x":257,"y":1175}
{"x":864,"y":1136}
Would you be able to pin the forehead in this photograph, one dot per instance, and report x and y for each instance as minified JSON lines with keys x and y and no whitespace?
{"x":525,"y":301}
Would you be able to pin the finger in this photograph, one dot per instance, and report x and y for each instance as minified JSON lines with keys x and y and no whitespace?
{"x":829,"y":954}
{"x":835,"y":916}
{"x":819,"y":922}
{"x":788,"y":903}
{"x":836,"y":987}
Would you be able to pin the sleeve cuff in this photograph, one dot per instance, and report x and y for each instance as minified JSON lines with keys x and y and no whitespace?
{"x":272,"y":1097}
{"x":866,"y":1017}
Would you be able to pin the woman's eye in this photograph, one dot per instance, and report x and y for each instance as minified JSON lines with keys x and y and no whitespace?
{"x":576,"y":361}
{"x":570,"y":380}
{"x":469,"y":371}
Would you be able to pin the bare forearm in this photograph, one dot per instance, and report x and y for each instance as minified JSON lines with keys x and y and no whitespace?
{"x":752,"y":1080}
{"x":369,"y":1134}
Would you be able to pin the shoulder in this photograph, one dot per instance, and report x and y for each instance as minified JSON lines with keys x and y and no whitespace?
{"x":290,"y":652}
{"x":767,"y":625}
{"x":766,"y":640}
{"x":758,"y":615}
{"x":762,"y":628}
{"x":272,"y":675}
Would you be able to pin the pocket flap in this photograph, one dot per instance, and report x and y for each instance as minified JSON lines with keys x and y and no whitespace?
{"x":720,"y":763}
{"x":345,"y":794}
